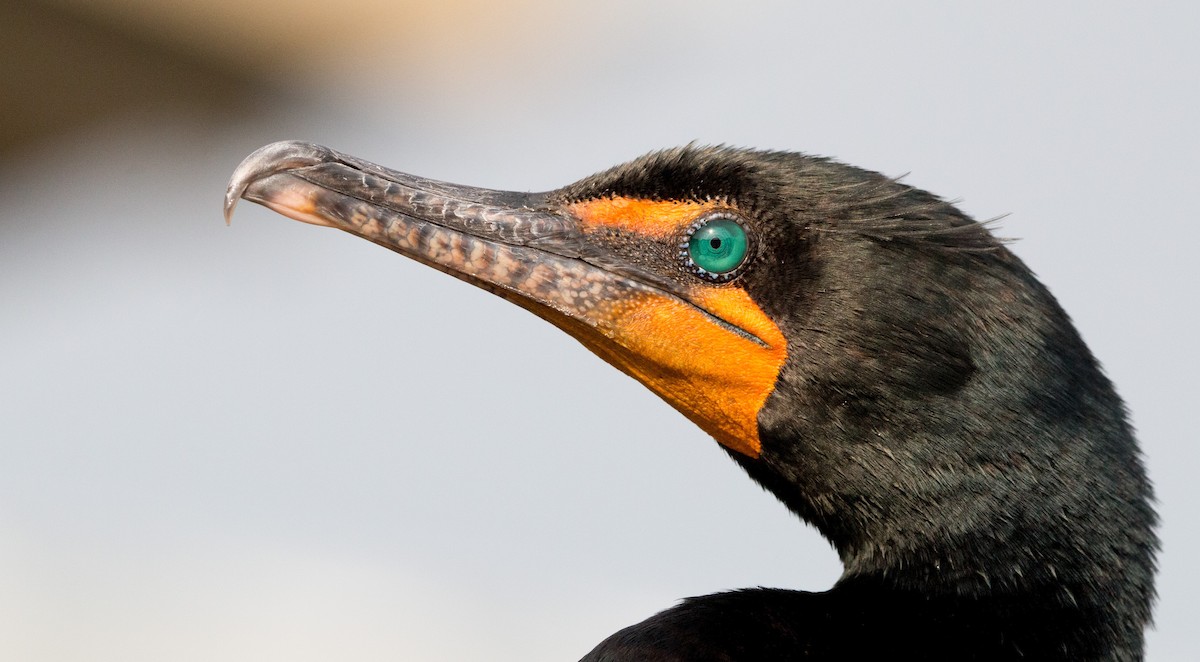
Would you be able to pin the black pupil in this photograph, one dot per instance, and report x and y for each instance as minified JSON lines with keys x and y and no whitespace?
{"x":715,"y":243}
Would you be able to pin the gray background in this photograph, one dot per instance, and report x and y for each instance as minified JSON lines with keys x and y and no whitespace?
{"x":273,"y":441}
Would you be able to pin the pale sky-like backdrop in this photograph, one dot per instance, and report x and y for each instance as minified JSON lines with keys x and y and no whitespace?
{"x":273,"y":441}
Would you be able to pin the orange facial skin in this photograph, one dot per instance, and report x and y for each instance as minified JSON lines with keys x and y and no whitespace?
{"x":716,"y":377}
{"x":651,"y":218}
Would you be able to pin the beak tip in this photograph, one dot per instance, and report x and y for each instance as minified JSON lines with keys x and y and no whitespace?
{"x":231,"y":201}
{"x":271,"y":159}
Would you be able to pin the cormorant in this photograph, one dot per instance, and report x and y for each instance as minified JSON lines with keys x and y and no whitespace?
{"x":864,"y":350}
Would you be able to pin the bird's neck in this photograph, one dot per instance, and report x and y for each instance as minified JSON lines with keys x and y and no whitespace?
{"x":997,"y":475}
{"x":994,"y":590}
{"x":1045,"y":567}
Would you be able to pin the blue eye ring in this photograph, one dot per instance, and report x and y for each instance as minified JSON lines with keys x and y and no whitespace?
{"x":716,"y":247}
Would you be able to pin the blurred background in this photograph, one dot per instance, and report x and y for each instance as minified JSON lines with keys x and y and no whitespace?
{"x":275,"y":442}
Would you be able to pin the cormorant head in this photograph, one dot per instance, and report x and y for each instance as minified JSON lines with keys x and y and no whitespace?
{"x":868,"y":353}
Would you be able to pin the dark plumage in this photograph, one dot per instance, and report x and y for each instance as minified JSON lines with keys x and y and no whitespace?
{"x":936,"y":417}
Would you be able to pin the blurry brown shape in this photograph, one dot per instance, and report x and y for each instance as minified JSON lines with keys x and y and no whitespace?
{"x":59,"y":71}
{"x":293,"y":36}
{"x":64,"y":63}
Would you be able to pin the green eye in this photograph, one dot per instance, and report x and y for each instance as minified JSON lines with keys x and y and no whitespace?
{"x":716,"y":247}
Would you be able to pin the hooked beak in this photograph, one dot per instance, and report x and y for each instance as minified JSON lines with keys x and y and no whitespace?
{"x":512,"y":244}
